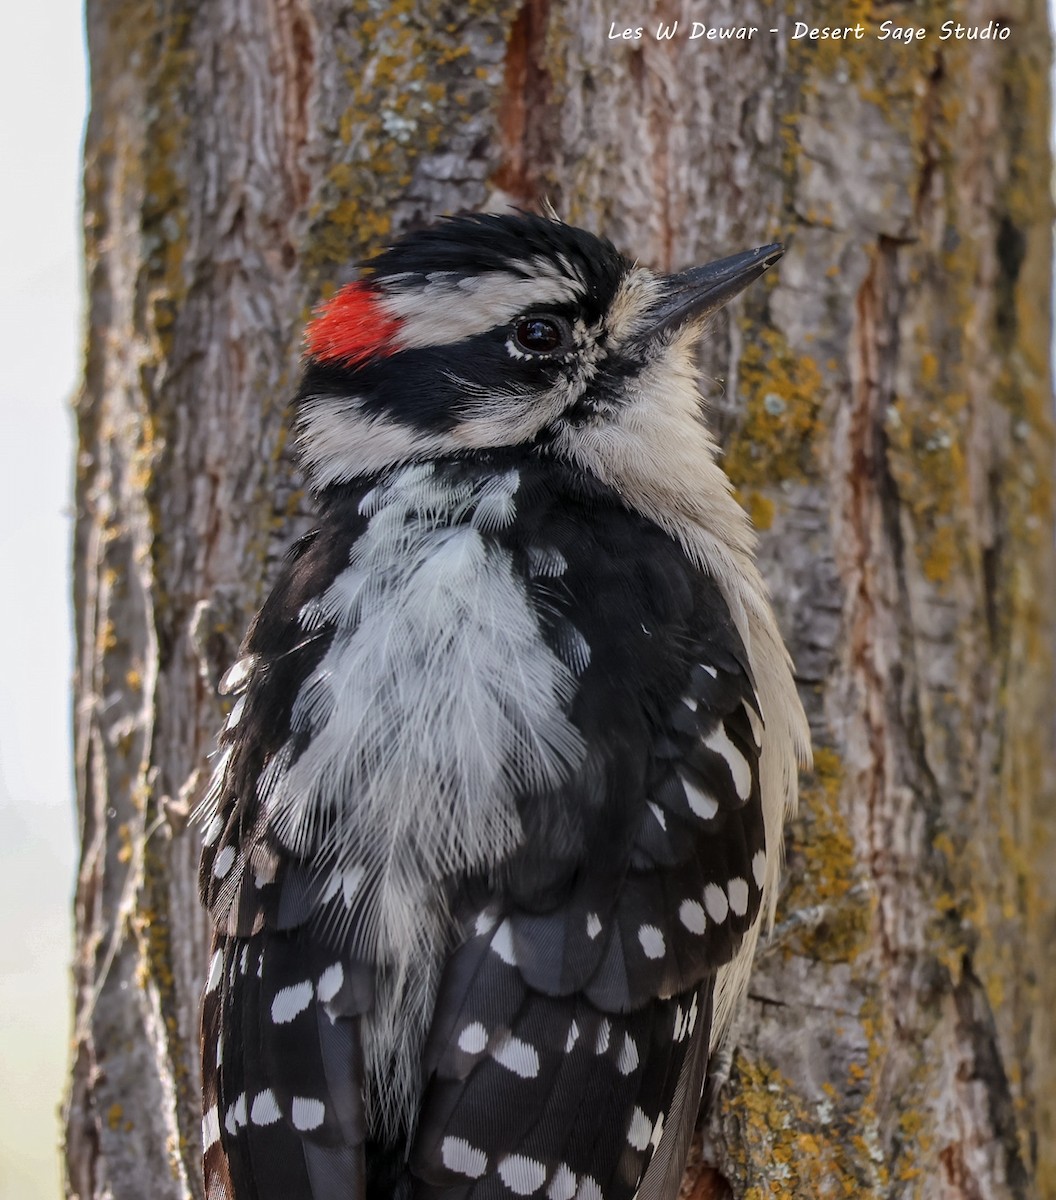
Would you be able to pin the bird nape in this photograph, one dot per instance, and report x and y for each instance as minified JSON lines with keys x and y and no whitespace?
{"x":497,"y":814}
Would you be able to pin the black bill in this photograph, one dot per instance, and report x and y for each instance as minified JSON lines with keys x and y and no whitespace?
{"x":698,"y":292}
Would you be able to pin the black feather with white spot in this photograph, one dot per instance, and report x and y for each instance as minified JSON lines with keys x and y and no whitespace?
{"x":281,"y":1054}
{"x":634,"y":884}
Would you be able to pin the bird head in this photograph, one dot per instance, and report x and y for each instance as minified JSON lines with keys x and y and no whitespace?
{"x":485,"y":332}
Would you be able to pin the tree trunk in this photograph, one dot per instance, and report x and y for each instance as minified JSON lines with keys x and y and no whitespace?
{"x":884,"y":406}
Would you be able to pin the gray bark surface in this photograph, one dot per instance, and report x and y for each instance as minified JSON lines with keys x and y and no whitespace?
{"x":884,"y":405}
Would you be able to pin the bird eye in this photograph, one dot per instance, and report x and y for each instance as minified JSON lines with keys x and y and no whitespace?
{"x":541,"y":335}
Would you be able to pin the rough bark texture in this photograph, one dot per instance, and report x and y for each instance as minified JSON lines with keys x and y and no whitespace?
{"x":884,"y":405}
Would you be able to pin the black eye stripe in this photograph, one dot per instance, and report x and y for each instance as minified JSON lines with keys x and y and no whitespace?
{"x":542,"y":333}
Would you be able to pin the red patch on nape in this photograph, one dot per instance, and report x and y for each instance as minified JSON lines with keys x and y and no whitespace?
{"x":351,"y":327}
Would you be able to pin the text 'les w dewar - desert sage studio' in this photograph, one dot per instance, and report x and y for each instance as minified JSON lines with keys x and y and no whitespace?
{"x":802,"y":31}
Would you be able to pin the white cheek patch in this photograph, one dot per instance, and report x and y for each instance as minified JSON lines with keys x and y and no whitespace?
{"x":452,"y":308}
{"x":339,"y":441}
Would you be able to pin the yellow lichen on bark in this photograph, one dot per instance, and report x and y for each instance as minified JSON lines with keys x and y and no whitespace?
{"x":779,"y":435}
{"x":827,"y":879}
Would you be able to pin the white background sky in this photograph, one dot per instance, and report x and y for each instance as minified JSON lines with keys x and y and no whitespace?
{"x":42,"y":102}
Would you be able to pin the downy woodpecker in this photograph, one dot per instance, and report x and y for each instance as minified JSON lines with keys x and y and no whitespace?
{"x":498,"y":809}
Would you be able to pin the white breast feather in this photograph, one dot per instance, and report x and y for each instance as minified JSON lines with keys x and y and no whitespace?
{"x":437,"y":702}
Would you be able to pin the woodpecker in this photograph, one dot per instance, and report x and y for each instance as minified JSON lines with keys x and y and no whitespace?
{"x":497,"y":812}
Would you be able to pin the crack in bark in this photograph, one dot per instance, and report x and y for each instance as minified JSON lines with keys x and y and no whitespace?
{"x":865,"y":554}
{"x":526,"y":93}
{"x":931,"y":107}
{"x":983,"y":1064}
{"x":893,"y":782}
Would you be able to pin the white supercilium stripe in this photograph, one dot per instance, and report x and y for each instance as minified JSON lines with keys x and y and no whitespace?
{"x":450,"y":308}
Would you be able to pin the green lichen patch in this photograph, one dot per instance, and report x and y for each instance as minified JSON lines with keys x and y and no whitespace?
{"x":927,"y":460}
{"x":789,"y":1148}
{"x":167,"y":71}
{"x":778,"y":438}
{"x":411,"y":80}
{"x":827,"y":878}
{"x":883,"y":60}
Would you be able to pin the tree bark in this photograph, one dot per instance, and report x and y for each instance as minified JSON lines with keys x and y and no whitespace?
{"x":884,"y":406}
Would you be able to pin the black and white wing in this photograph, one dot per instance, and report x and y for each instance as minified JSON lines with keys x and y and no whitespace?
{"x":281,"y":1037}
{"x":571,"y":1033}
